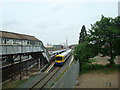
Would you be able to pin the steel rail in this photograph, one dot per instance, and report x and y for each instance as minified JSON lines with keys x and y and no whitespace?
{"x":42,"y":82}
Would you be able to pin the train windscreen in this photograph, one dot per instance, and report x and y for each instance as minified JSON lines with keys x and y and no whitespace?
{"x":58,"y":58}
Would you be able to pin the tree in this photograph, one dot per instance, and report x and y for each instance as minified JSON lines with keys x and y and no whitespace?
{"x":84,"y":51}
{"x":83,"y":34}
{"x":106,"y":34}
{"x":116,"y":42}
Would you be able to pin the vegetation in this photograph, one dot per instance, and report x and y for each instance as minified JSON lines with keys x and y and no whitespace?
{"x":52,"y":85}
{"x":103,"y":38}
{"x":83,"y":52}
{"x":106,"y":34}
{"x":86,"y":67}
{"x":83,"y":34}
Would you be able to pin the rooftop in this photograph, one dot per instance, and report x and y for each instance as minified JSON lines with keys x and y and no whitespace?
{"x":6,"y":34}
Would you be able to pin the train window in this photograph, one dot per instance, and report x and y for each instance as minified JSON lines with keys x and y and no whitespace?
{"x":58,"y":58}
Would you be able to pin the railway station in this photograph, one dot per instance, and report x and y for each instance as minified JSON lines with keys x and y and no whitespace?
{"x":19,"y":52}
{"x":25,"y":56}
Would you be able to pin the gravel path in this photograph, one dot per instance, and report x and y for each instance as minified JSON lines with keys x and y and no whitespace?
{"x":104,"y":60}
{"x":95,"y":80}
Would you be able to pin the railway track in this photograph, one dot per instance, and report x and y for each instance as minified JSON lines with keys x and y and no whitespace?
{"x":50,"y":73}
{"x":12,"y":70}
{"x":42,"y":82}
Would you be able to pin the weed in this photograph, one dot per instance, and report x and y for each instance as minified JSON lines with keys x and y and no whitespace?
{"x":52,"y":84}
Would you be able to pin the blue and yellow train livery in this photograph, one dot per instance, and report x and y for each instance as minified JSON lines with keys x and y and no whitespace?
{"x":61,"y":58}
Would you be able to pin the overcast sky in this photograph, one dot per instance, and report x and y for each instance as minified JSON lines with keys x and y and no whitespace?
{"x":53,"y":22}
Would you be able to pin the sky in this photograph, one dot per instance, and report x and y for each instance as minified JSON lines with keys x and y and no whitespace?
{"x":54,"y":21}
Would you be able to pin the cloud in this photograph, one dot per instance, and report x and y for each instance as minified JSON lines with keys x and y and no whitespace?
{"x":47,"y":25}
{"x":53,"y":22}
{"x":57,"y":8}
{"x":9,"y":23}
{"x":72,"y":27}
{"x":60,"y":1}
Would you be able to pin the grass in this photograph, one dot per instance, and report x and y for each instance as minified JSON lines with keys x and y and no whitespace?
{"x":86,"y":67}
{"x":107,"y":68}
{"x":92,"y":60}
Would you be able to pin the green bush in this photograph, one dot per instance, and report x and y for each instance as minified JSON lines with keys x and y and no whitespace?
{"x":85,"y":67}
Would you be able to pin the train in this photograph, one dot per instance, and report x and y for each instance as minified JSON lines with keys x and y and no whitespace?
{"x":54,"y":53}
{"x":61,"y":58}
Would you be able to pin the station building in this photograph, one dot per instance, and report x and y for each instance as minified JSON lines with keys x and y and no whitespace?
{"x":19,"y":53}
{"x":57,"y":46}
{"x":15,"y":45}
{"x":11,"y":43}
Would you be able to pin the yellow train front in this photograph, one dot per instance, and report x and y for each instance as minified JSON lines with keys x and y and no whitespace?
{"x":61,"y":58}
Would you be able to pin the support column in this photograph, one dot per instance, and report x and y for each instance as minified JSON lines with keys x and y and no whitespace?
{"x":20,"y":69}
{"x":27,"y":65}
{"x":12,"y":66}
{"x":39,"y":64}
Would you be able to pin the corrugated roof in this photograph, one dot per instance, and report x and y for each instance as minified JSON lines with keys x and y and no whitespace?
{"x":5,"y":34}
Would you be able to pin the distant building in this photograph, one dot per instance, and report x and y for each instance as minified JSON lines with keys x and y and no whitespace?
{"x":49,"y":48}
{"x":57,"y":46}
{"x":119,"y":8}
{"x":73,"y":46}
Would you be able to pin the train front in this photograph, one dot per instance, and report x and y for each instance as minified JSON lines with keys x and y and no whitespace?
{"x":59,"y":60}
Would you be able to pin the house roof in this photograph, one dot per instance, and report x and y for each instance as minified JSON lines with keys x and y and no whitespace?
{"x":5,"y":34}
